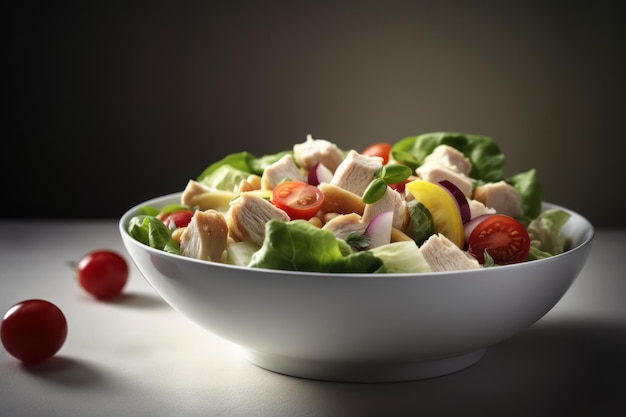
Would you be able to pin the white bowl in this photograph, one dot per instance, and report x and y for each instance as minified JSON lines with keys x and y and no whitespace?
{"x":361,"y":327}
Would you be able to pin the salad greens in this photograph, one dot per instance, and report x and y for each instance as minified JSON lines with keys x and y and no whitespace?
{"x":486,"y":158}
{"x":387,"y":174}
{"x":544,"y":231}
{"x":227,"y":173}
{"x":298,"y":245}
{"x":530,"y":190}
{"x":151,"y":231}
{"x":400,"y":257}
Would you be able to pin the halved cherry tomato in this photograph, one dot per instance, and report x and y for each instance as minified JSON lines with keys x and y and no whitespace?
{"x":298,"y":199}
{"x":382,"y":149}
{"x":33,"y":330}
{"x":504,"y":238}
{"x":443,"y":208}
{"x":400,"y":187}
{"x":180,"y":218}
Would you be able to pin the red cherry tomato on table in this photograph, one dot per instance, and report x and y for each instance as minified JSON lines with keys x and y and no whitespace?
{"x":504,"y":238}
{"x":298,"y":199}
{"x":33,"y":330}
{"x":382,"y":149}
{"x":102,"y":273}
{"x":180,"y":218}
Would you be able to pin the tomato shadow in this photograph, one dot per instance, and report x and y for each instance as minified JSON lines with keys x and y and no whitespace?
{"x":65,"y":371}
{"x":139,"y":301}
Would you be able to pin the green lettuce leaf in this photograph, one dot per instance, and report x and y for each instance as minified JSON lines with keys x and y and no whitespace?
{"x":152,"y":232}
{"x":530,"y":190}
{"x":224,"y":178}
{"x":227,"y":173}
{"x":240,"y":253}
{"x":300,"y":246}
{"x":545,"y":234}
{"x":403,"y":256}
{"x":484,"y":154}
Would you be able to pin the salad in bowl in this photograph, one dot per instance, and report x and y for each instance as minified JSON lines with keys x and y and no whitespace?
{"x":434,"y":202}
{"x":397,"y":262}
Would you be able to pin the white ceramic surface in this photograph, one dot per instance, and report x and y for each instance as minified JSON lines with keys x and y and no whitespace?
{"x":361,"y":327}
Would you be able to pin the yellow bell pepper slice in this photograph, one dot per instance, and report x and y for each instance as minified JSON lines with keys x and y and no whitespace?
{"x":443,"y":208}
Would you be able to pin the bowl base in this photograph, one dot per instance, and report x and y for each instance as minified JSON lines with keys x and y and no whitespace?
{"x":363,"y":373}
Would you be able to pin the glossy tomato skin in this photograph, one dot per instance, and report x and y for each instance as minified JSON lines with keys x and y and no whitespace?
{"x":299,"y":200}
{"x":180,"y":218}
{"x":33,"y":330}
{"x":382,"y":149}
{"x":504,"y":238}
{"x":400,"y":187}
{"x":103,"y":273}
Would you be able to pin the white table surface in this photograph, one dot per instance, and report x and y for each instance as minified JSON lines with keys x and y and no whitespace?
{"x":138,"y":357}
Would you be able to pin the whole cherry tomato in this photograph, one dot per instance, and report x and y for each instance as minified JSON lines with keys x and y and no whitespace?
{"x":382,"y":149}
{"x":298,"y":199}
{"x":102,"y":273}
{"x":33,"y":330}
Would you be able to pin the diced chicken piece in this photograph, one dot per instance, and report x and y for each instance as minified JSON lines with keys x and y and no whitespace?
{"x":501,"y":196}
{"x":199,"y":195}
{"x":450,"y":158}
{"x":312,"y":151}
{"x":248,"y":215}
{"x":443,"y":255}
{"x":192,"y":189}
{"x":478,"y":209}
{"x":338,"y":200}
{"x":356,"y":172}
{"x":436,"y":173}
{"x":284,"y":168}
{"x":345,"y":224}
{"x":392,"y":200}
{"x":205,"y":237}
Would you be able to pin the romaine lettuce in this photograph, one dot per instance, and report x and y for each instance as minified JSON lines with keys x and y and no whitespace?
{"x":152,"y":232}
{"x":530,"y":190}
{"x":299,"y":246}
{"x":485,"y":156}
{"x":227,"y":173}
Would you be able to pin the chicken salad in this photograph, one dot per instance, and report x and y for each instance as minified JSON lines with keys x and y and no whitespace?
{"x":428,"y":203}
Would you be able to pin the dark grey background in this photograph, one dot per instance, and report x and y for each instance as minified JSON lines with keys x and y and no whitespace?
{"x":110,"y":104}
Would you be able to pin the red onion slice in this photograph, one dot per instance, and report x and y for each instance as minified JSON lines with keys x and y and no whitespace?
{"x":459,"y":197}
{"x":471,"y":225}
{"x":319,"y":174}
{"x":379,"y":229}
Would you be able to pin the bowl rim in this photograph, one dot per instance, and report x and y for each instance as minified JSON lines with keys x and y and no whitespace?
{"x":158,"y":201}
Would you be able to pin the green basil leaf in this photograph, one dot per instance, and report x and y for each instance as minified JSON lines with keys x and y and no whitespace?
{"x":393,"y":173}
{"x":374,"y":191}
{"x":358,"y":241}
